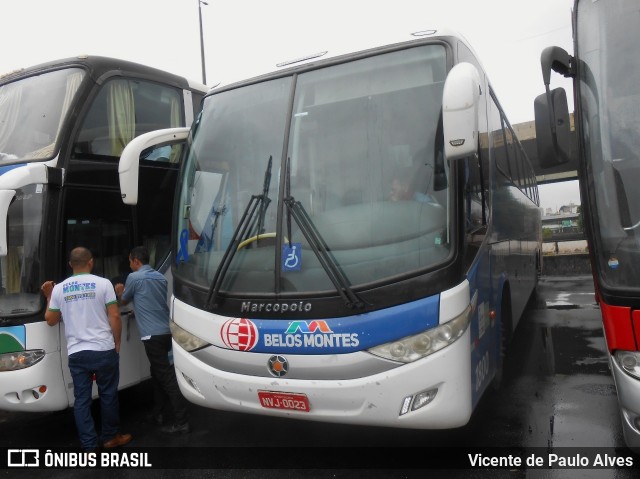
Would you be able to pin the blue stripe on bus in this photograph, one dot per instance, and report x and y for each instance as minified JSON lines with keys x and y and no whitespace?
{"x":4,"y":169}
{"x":346,"y":334}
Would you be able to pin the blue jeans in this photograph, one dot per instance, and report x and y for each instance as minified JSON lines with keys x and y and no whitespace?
{"x":106,"y":366}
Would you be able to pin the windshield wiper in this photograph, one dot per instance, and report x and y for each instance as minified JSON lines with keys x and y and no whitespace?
{"x":319,"y":246}
{"x":248,"y":223}
{"x":264,"y":204}
{"x":241,"y":233}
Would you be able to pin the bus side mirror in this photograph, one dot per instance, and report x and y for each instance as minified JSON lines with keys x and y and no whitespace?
{"x":129,"y":165}
{"x":460,"y":100}
{"x":553,"y":134}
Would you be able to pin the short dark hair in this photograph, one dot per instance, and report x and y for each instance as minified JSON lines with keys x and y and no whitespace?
{"x":140,"y":253}
{"x":79,"y":257}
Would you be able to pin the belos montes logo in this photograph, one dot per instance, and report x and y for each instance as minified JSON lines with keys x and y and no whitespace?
{"x":240,"y":334}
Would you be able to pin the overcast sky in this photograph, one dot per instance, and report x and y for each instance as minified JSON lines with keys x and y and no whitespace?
{"x":244,"y":37}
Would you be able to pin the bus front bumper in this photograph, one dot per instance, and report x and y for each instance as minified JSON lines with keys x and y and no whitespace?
{"x":374,"y":400}
{"x":628,"y":389}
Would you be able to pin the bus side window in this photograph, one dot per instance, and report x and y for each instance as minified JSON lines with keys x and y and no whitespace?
{"x":126,"y":108}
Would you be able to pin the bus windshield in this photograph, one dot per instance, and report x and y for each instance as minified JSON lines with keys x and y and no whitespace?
{"x":363,"y":178}
{"x":32,"y":111}
{"x":20,"y":268}
{"x":610,"y":99}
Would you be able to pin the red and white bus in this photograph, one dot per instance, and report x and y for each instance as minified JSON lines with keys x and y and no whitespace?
{"x":606,"y":82}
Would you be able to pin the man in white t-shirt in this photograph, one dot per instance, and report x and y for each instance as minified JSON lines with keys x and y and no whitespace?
{"x":88,"y":307}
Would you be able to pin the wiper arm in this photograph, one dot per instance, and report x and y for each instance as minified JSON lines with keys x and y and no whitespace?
{"x":317,"y":243}
{"x":322,"y":252}
{"x":264,"y":204}
{"x":287,"y":187}
{"x":241,"y":233}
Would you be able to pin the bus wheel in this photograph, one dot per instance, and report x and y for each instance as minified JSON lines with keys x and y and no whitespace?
{"x":505,"y":335}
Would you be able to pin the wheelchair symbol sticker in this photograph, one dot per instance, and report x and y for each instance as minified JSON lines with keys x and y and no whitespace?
{"x":291,"y":256}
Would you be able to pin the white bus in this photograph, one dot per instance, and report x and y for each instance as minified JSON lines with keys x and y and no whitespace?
{"x":356,"y":238}
{"x":63,"y":126}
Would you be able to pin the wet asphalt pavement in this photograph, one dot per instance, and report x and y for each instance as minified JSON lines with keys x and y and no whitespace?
{"x":557,"y":397}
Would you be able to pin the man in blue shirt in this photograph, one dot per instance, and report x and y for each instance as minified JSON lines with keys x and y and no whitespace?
{"x":147,"y":288}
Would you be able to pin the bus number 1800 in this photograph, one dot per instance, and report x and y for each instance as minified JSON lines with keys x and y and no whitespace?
{"x":482,"y":370}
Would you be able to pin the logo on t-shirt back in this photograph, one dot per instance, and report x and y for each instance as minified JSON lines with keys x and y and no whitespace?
{"x":77,"y":291}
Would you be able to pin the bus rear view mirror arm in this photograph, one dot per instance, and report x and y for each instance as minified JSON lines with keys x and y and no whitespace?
{"x":128,"y":167}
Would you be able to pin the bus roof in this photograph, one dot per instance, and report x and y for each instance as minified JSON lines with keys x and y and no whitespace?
{"x":99,"y":65}
{"x":356,"y":45}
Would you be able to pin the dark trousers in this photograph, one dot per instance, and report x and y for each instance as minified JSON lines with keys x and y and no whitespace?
{"x":166,"y":392}
{"x":105,"y":365}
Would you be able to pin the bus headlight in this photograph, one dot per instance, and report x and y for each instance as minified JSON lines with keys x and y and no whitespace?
{"x":185,"y":339}
{"x":629,"y":361}
{"x":20,"y":359}
{"x":416,"y":347}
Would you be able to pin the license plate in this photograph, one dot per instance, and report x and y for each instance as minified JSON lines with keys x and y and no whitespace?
{"x":279,"y":400}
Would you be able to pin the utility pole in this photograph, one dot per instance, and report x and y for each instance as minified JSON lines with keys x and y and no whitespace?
{"x":204,"y":74}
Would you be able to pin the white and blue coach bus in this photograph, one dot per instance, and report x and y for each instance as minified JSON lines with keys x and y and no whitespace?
{"x":356,"y":236}
{"x":63,"y":125}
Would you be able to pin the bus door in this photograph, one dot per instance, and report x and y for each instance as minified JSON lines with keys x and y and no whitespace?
{"x":97,"y":219}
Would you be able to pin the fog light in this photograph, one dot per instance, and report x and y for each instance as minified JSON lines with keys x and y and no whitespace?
{"x":191,"y":382}
{"x":423,"y":398}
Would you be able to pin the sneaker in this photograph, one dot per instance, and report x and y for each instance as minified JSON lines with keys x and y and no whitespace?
{"x":176,"y":428}
{"x":117,"y":441}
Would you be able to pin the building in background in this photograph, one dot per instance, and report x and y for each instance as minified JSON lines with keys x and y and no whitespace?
{"x":562,"y":230}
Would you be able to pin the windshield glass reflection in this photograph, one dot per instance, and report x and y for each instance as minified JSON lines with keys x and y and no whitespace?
{"x":611,"y":115}
{"x":366,"y":188}
{"x":32,"y":111}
